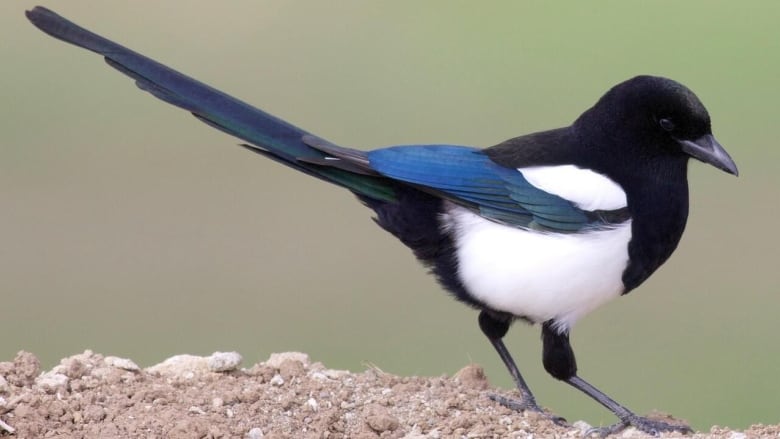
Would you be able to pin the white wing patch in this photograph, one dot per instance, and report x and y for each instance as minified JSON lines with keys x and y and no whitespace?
{"x":588,"y":189}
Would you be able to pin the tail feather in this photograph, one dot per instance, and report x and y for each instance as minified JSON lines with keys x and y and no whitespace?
{"x":271,"y":136}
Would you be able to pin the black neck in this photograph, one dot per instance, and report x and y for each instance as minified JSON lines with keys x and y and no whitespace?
{"x":659,"y":207}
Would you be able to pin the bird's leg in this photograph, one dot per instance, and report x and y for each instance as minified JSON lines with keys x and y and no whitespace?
{"x":495,"y":327}
{"x":559,"y":361}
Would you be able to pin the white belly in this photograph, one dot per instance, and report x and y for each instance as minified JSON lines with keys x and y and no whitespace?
{"x":538,"y":275}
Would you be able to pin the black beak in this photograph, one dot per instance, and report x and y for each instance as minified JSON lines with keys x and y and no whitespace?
{"x":708,"y":150}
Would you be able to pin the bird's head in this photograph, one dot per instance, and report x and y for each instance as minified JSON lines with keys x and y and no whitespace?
{"x":666,"y":115}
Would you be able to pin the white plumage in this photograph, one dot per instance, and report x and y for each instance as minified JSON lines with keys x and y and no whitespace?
{"x":538,"y":275}
{"x":543,"y":275}
{"x":587,"y":189}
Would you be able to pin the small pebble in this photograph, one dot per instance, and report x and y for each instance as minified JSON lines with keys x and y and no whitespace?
{"x":122,"y":363}
{"x":94,"y":414}
{"x":184,"y":366}
{"x":224,"y":361}
{"x":582,"y":426}
{"x":289,"y":369}
{"x":382,"y":422}
{"x":335,"y":374}
{"x":276,"y":359}
{"x":51,"y":382}
{"x":318,"y":376}
{"x":6,"y":427}
{"x":255,"y":433}
{"x":277,"y":380}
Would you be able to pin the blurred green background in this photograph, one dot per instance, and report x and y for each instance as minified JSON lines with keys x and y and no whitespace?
{"x":130,"y":228}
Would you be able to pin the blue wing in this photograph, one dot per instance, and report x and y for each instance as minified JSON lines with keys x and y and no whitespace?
{"x":467,"y":176}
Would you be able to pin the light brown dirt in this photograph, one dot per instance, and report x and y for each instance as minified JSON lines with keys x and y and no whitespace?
{"x":93,"y":396}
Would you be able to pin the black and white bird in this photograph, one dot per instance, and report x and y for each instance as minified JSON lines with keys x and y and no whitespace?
{"x":544,"y":227}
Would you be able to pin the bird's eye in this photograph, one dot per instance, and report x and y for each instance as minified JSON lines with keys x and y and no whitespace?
{"x":666,"y":124}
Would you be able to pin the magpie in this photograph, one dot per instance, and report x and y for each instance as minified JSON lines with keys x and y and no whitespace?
{"x":542,"y":228}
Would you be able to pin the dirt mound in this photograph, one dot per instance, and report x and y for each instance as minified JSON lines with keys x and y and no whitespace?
{"x":90,"y":395}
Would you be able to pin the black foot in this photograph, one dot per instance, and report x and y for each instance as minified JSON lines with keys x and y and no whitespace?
{"x":652,"y":427}
{"x":530,"y":406}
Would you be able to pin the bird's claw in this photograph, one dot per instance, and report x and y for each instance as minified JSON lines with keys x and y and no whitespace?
{"x":525,"y":405}
{"x":652,"y":427}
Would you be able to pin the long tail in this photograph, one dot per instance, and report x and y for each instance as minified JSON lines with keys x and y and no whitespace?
{"x":267,"y":134}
